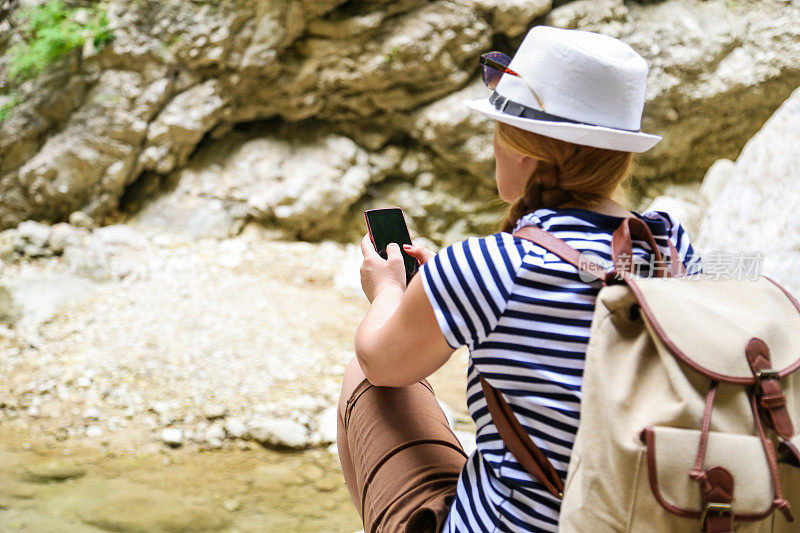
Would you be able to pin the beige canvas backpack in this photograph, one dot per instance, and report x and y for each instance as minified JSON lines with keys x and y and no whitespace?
{"x":690,"y":400}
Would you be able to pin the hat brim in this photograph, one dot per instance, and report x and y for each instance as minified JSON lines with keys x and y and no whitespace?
{"x":584,"y":134}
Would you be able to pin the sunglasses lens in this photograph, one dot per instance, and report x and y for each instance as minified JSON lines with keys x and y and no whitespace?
{"x":491,"y":76}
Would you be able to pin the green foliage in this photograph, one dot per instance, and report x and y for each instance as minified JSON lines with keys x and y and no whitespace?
{"x":101,"y":33}
{"x":11,"y":103}
{"x":391,"y":55}
{"x":165,"y":46}
{"x":52,"y":31}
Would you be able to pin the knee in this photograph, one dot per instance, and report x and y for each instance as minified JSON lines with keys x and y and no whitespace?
{"x":352,"y":377}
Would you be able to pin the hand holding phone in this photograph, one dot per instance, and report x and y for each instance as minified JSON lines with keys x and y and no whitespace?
{"x":388,"y":225}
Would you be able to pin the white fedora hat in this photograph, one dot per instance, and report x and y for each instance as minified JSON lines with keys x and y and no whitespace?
{"x":577,"y":86}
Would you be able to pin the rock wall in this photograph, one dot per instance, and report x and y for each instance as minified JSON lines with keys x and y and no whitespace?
{"x":755,"y":215}
{"x":297,"y":115}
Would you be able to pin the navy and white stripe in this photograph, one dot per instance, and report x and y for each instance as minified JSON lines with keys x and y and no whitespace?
{"x":525,"y":316}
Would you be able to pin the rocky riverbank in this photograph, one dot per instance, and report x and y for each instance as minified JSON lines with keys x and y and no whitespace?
{"x":132,"y":337}
{"x":157,"y":383}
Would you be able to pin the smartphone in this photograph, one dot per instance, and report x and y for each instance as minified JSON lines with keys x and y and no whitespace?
{"x":388,"y":225}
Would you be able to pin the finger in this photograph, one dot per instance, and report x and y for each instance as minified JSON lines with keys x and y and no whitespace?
{"x":367,"y":247}
{"x":420,"y":253}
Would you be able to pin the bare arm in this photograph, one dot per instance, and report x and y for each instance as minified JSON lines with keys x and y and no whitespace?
{"x":399,"y":341}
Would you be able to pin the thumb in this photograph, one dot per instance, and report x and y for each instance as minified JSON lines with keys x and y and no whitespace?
{"x":393,"y":251}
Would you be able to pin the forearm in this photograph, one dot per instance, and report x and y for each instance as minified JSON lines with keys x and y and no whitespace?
{"x":368,"y":346}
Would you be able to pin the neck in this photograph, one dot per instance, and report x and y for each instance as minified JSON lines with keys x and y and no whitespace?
{"x":606,"y":206}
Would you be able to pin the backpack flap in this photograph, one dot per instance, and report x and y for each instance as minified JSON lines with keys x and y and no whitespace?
{"x":707,"y":323}
{"x":670,"y":456}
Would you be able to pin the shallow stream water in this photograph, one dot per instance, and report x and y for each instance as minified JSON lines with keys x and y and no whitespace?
{"x":49,"y":487}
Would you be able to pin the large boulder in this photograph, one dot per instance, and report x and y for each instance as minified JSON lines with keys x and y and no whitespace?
{"x":87,"y":164}
{"x":754,"y":217}
{"x":719,"y":69}
{"x":303,"y":185}
{"x":314,"y":186}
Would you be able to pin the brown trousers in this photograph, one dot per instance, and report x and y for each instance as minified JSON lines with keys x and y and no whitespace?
{"x":405,"y":458}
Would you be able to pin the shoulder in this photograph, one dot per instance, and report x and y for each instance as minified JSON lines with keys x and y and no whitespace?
{"x":672,"y":226}
{"x":469,"y":283}
{"x":498,"y":252}
{"x":671,"y":223}
{"x":680,"y":238}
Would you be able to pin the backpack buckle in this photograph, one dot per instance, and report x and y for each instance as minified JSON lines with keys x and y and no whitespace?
{"x":766,"y":374}
{"x":719,"y":508}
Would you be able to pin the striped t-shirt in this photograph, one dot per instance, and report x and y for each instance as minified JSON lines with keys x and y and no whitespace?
{"x":525,"y":316}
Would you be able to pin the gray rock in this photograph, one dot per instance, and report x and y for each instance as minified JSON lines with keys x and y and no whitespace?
{"x":38,"y":298}
{"x":467,"y":440}
{"x":715,"y":180}
{"x":63,"y":236}
{"x":172,"y":437}
{"x":123,"y":505}
{"x":79,"y":167}
{"x":79,"y":219}
{"x":175,"y":132}
{"x":606,"y":16}
{"x":300,"y":187}
{"x":195,"y":216}
{"x":90,"y":260}
{"x":755,"y":213}
{"x":459,"y":136}
{"x":119,"y":234}
{"x":235,"y":428}
{"x":213,"y":411}
{"x":712,"y":82}
{"x":55,"y":470}
{"x":8,"y":240}
{"x":10,"y":311}
{"x":327,"y":425}
{"x":232,"y":505}
{"x":512,"y":17}
{"x":92,"y":413}
{"x":279,"y":433}
{"x":215,"y":433}
{"x":32,"y":239}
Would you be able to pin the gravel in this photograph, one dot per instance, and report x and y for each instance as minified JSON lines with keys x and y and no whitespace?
{"x":155,"y":339}
{"x":172,"y":340}
{"x":172,"y":436}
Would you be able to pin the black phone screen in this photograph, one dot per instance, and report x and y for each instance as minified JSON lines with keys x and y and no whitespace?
{"x":387,"y":226}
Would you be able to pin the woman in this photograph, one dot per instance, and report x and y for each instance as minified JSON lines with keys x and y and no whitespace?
{"x":567,"y":109}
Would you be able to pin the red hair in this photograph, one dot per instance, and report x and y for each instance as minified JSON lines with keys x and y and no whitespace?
{"x":566,"y":172}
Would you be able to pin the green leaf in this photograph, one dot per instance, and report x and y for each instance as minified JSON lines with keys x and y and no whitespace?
{"x":51,"y":32}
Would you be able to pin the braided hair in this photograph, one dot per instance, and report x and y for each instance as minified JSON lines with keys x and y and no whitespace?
{"x":566,"y":173}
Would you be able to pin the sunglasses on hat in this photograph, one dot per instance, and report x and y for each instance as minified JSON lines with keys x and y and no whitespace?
{"x":494,"y":65}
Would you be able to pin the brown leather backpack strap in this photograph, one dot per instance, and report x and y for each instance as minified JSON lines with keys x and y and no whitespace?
{"x":516,"y":439}
{"x":622,"y":249}
{"x":519,"y":443}
{"x":716,"y":483}
{"x":717,"y":494}
{"x":563,"y":250}
{"x":622,"y":245}
{"x":676,"y":267}
{"x":779,"y":502}
{"x":768,"y":388}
